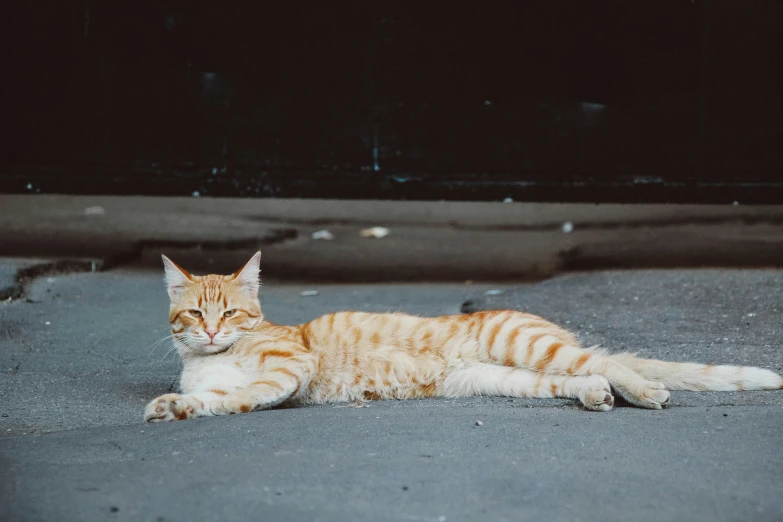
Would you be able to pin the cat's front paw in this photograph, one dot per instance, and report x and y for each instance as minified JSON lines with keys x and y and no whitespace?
{"x":169,"y":407}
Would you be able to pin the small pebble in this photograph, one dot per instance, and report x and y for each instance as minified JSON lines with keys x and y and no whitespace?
{"x":94,"y":211}
{"x":114,"y":509}
{"x":47,"y":323}
{"x":568,"y":227}
{"x":322,"y":234}
{"x":309,"y":293}
{"x":5,"y":415}
{"x":494,"y":292}
{"x":375,"y":232}
{"x":508,"y":200}
{"x":479,"y":423}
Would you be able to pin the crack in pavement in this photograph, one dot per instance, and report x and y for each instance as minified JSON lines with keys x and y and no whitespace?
{"x":24,"y":276}
{"x":47,"y":268}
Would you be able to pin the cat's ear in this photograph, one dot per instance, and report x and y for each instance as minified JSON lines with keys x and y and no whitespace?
{"x":177,"y":279}
{"x":248,"y":275}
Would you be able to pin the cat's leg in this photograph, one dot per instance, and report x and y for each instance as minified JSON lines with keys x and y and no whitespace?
{"x":261,"y":394}
{"x":489,"y":379}
{"x":274,"y":386}
{"x":524,"y":341}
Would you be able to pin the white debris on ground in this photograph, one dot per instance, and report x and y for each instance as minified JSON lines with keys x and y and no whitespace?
{"x":196,"y":194}
{"x":375,"y":232}
{"x":94,"y":211}
{"x":322,"y":234}
{"x":479,"y":423}
{"x":494,"y":292}
{"x":568,"y":227}
{"x":308,"y":293}
{"x":508,"y":200}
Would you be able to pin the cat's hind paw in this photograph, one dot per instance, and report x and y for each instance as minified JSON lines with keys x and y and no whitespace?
{"x":596,"y":394}
{"x":649,"y":394}
{"x":168,"y":407}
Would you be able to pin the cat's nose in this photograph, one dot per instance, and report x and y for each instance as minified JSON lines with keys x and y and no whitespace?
{"x":211,"y":333}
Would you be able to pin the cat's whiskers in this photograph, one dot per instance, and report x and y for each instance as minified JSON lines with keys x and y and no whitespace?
{"x":176,"y":345}
{"x":168,"y":352}
{"x":154,"y":346}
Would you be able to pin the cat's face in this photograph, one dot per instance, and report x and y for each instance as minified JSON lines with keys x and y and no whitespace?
{"x":210,"y":313}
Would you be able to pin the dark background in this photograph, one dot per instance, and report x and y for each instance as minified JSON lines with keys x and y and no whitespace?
{"x":535,"y":100}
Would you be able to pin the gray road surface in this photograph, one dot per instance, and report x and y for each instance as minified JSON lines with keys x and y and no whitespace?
{"x":429,"y":241}
{"x":77,"y":367}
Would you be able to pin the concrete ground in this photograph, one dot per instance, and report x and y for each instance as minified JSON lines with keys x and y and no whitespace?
{"x":428,"y":240}
{"x":79,"y":360}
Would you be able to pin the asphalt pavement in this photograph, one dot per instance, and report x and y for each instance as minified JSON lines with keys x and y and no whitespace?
{"x":428,"y":241}
{"x":79,"y":360}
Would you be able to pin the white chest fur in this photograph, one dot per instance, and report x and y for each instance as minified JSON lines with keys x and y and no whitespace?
{"x":206,"y":373}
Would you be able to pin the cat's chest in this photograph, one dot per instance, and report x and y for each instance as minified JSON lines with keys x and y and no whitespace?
{"x":224,"y":374}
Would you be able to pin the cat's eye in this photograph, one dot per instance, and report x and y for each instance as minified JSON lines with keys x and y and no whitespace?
{"x":229,"y":313}
{"x":195,"y":313}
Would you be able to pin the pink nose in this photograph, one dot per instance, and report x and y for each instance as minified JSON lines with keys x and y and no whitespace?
{"x":212,"y":334}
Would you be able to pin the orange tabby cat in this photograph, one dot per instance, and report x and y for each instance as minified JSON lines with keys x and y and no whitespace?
{"x":235,"y":361}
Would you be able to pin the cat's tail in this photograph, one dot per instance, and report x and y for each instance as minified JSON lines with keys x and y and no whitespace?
{"x":701,"y":377}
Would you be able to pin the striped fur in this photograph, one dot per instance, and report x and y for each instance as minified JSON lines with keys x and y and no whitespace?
{"x":234,"y":361}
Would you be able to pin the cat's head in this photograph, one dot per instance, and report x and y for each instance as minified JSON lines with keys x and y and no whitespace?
{"x":210,"y":313}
